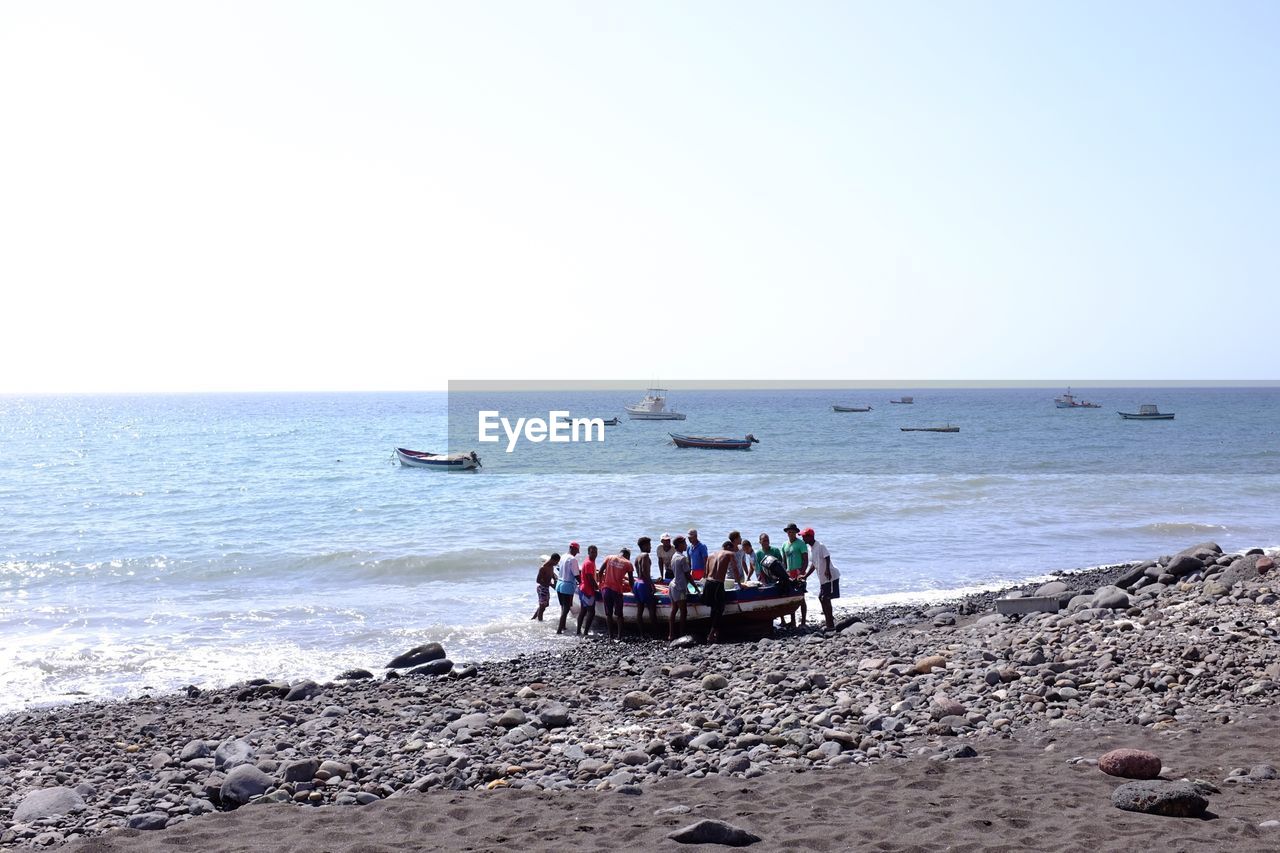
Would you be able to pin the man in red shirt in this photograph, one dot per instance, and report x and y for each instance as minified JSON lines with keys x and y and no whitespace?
{"x":615,"y":571}
{"x":588,"y":588}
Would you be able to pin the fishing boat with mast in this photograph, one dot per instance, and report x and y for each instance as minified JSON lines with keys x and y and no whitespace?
{"x":1068,"y":401}
{"x":653,"y":408}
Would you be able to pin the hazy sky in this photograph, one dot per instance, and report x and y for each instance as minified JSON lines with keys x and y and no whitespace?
{"x":201,"y":196}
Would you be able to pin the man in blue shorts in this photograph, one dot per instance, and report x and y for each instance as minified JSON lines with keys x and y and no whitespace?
{"x":642,"y":589}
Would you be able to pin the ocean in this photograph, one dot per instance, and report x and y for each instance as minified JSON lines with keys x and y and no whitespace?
{"x":150,"y":542}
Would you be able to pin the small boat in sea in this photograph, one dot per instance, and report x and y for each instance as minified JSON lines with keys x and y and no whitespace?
{"x":439,"y":461}
{"x":611,"y":422}
{"x":851,"y":408}
{"x":1147,"y":412}
{"x":653,"y":408}
{"x":1068,"y":401}
{"x":947,"y":428}
{"x":748,"y":607}
{"x":714,"y":443}
{"x":904,"y":401}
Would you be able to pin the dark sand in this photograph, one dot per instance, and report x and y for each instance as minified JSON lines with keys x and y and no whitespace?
{"x":1017,"y":795}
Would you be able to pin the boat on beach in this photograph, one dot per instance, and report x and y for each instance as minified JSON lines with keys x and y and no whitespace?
{"x":653,"y":408}
{"x":904,"y":401}
{"x":439,"y":461}
{"x":704,"y":442}
{"x":1147,"y":412}
{"x":947,"y":428}
{"x":1068,"y":401}
{"x":749,"y":606}
{"x":851,"y":408}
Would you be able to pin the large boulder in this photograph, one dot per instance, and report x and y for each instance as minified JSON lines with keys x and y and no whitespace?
{"x":1110,"y":598}
{"x":1206,"y":552}
{"x":302,"y":691}
{"x":1183,"y":565}
{"x":554,"y":715}
{"x":232,"y":753}
{"x":637,"y":699}
{"x":435,"y":667}
{"x":243,"y":784}
{"x":1241,"y":570}
{"x":417,"y":656}
{"x":48,"y":802}
{"x":1130,"y":764}
{"x":1170,"y":799}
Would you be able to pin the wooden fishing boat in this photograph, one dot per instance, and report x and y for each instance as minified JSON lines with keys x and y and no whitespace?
{"x":612,"y":422}
{"x":747,"y":606}
{"x":704,"y":442}
{"x":1147,"y":412}
{"x":851,"y":408}
{"x":439,"y":461}
{"x":947,"y":428}
{"x":904,"y":401}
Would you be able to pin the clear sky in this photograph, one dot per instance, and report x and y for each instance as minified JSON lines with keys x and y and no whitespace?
{"x":261,"y":196}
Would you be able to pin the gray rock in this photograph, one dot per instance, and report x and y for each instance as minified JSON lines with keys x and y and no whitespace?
{"x":512,"y":718}
{"x":303,"y":690}
{"x":193,"y":750}
{"x":707,"y":740}
{"x":232,"y":753}
{"x":685,"y":642}
{"x":1183,"y":565}
{"x":1052,"y":588}
{"x":1170,"y":799}
{"x":355,"y":675}
{"x":48,"y":802}
{"x":301,"y":771}
{"x":714,"y":832}
{"x":417,"y":655}
{"x":435,"y":667}
{"x":148,"y":821}
{"x":683,"y":670}
{"x":243,"y":784}
{"x":637,"y":699}
{"x":714,"y":681}
{"x":1263,"y":771}
{"x":555,"y":716}
{"x":1110,"y":598}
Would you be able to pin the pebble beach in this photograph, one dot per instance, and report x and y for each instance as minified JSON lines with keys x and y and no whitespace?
{"x":1142,"y":711}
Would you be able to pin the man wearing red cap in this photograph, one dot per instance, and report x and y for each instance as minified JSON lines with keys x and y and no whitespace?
{"x":568,"y":584}
{"x":828,"y":575}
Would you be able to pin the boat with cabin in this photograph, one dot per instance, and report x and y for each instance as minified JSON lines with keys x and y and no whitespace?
{"x":904,"y":401}
{"x":947,"y":428}
{"x":851,"y":408}
{"x":653,"y":408}
{"x":704,"y":442}
{"x":438,"y":461}
{"x":1147,"y":412}
{"x":1068,"y":401}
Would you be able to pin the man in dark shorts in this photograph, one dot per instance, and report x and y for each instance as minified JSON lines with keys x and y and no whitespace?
{"x":546,"y":577}
{"x":678,"y":589}
{"x":719,"y":565}
{"x":615,"y":571}
{"x":646,"y":597}
{"x":796,"y":554}
{"x":828,"y":575}
{"x":588,"y":589}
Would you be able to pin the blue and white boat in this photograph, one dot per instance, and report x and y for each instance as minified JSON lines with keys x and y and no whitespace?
{"x":439,"y":461}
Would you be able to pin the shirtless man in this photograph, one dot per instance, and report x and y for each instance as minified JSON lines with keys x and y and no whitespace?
{"x":719,"y":565}
{"x":646,"y":597}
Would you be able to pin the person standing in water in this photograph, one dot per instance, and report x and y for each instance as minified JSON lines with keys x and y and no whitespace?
{"x":568,"y":585}
{"x":679,"y":589}
{"x":588,"y":589}
{"x":646,"y":598}
{"x":546,"y":577}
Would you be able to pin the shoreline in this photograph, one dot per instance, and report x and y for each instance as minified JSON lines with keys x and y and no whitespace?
{"x":896,"y":684}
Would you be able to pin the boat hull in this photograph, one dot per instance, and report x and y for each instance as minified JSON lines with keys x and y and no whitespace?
{"x":745,"y":607}
{"x":642,"y":415}
{"x":711,"y":443}
{"x":851,"y":408}
{"x":929,"y":429}
{"x":1135,"y":416}
{"x":435,"y":461}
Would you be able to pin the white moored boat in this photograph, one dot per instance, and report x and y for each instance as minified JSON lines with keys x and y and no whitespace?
{"x":653,"y":408}
{"x":439,"y":461}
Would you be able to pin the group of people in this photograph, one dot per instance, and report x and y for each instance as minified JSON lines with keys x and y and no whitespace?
{"x":682,"y":563}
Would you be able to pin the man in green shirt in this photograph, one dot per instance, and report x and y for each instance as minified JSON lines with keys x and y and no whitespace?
{"x":765,"y":551}
{"x":797,"y":557}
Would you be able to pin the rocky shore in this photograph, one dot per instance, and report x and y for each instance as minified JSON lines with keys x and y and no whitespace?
{"x":1178,"y":646}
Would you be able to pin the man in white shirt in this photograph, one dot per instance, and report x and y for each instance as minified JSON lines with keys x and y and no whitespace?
{"x":828,"y":575}
{"x":568,"y":584}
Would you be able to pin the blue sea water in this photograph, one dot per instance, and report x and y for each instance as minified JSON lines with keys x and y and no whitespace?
{"x":149,"y":542}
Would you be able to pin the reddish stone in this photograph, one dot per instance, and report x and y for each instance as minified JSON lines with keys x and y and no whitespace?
{"x":1130,"y":764}
{"x":1264,"y":565}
